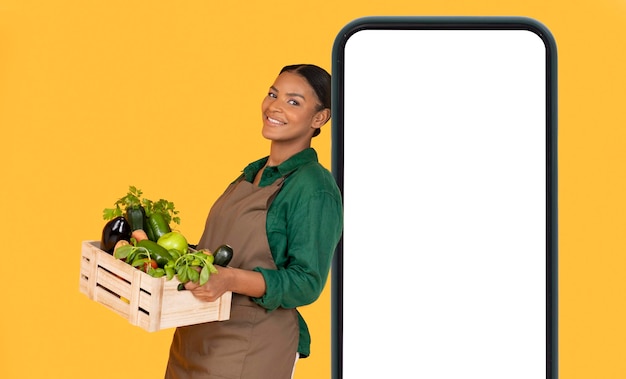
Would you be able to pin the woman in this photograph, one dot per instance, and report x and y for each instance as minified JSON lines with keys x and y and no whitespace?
{"x":283,"y":219}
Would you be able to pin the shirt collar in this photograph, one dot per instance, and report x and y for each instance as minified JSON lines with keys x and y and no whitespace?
{"x":287,"y":167}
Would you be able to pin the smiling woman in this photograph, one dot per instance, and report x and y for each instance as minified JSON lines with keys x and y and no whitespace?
{"x":296,"y":105}
{"x":271,"y":216}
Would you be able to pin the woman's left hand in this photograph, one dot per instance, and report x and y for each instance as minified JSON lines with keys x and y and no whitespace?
{"x":217,"y":285}
{"x":244,"y":282}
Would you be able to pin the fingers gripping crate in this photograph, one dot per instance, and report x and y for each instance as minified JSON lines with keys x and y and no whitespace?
{"x":150,"y":303}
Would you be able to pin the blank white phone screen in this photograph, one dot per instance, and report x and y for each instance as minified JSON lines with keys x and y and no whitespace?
{"x":444,"y":185}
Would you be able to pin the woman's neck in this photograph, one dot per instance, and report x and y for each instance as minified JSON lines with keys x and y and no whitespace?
{"x":281,"y":152}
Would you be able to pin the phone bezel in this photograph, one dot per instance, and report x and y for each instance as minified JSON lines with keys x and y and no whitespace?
{"x":452,"y":23}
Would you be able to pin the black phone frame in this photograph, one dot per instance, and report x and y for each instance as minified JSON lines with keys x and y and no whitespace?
{"x":337,"y":164}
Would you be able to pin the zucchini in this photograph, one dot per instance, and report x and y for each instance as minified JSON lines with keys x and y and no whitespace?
{"x":156,"y":222}
{"x":157,"y":252}
{"x":148,"y":229}
{"x":135,"y":214}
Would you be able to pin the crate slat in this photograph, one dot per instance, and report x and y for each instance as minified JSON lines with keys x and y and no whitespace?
{"x":111,"y":301}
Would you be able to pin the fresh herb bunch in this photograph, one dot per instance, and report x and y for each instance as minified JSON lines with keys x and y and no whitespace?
{"x":194,"y":266}
{"x":166,"y":208}
{"x":140,"y":258}
{"x":134,"y":199}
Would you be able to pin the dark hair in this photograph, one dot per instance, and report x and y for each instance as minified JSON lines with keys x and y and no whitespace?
{"x":318,"y":79}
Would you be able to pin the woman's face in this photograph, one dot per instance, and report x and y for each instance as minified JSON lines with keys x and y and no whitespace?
{"x":290,"y":110}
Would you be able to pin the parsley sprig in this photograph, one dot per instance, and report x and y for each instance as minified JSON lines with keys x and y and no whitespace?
{"x":134,"y":199}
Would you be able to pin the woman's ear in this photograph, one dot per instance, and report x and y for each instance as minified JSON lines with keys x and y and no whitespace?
{"x":321,"y":118}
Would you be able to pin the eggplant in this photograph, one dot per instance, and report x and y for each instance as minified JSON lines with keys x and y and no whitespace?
{"x":222,"y":255}
{"x":115,"y":230}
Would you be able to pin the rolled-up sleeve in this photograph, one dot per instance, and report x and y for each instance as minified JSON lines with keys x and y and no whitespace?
{"x":312,"y":228}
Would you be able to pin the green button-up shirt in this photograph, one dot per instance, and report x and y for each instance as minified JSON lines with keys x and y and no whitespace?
{"x":304,"y":224}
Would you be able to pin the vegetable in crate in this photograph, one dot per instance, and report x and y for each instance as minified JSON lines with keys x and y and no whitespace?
{"x":159,"y":216}
{"x":157,"y":225}
{"x":115,"y":230}
{"x":141,"y":258}
{"x":157,"y":252}
{"x":223,"y":255}
{"x":143,"y":214}
{"x":136,"y":216}
{"x":174,"y":240}
{"x":133,"y":210}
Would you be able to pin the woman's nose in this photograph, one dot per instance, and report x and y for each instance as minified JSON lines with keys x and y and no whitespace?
{"x":275,"y":105}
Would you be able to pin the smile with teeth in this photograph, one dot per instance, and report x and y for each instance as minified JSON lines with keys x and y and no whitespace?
{"x":274,"y":121}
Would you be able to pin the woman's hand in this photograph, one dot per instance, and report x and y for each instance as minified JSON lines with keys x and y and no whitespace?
{"x":244,"y":282}
{"x":217,"y":285}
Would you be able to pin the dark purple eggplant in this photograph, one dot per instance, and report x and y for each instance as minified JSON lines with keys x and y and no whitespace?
{"x":115,"y":230}
{"x":222,"y":255}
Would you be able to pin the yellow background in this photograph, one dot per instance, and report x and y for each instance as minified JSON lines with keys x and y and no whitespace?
{"x":99,"y":95}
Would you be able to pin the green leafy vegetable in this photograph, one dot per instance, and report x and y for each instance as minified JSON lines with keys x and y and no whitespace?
{"x":194,"y":266}
{"x":137,"y":256}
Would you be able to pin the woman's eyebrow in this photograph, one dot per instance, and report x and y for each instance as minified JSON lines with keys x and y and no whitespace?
{"x":289,"y":93}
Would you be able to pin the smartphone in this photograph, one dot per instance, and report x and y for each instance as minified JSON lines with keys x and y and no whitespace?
{"x":444,"y":146}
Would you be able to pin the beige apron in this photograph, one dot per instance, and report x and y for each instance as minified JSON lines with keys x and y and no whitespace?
{"x":253,"y":343}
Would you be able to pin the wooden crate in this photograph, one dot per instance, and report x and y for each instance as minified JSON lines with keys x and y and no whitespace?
{"x":150,"y":303}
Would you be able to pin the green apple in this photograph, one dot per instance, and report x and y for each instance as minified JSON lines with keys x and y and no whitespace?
{"x":173,"y":240}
